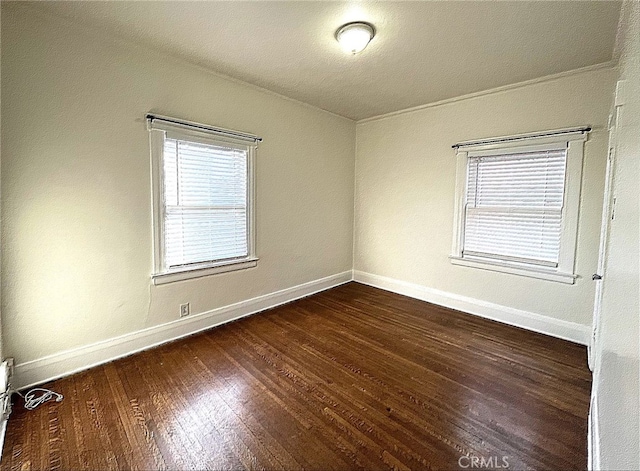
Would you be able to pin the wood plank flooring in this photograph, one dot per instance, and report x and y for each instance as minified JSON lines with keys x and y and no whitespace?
{"x":351,"y":378}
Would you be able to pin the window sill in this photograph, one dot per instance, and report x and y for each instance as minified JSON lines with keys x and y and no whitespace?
{"x":566,"y":278}
{"x":187,"y":274}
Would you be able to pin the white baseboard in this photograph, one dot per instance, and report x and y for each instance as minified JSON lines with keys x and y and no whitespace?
{"x":571,"y":331}
{"x":3,"y":432}
{"x":593,"y":438}
{"x":68,"y":362}
{"x":6,"y":375}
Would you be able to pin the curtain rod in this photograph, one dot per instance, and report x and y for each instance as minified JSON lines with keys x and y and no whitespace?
{"x":224,"y":132}
{"x":584,"y":129}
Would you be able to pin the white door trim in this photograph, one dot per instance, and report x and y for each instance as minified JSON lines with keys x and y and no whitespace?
{"x":607,"y":214}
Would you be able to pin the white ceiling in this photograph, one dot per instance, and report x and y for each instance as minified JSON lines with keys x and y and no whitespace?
{"x":423,"y":51}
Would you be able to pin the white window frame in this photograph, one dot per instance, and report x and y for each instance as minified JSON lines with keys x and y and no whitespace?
{"x":574,"y":140}
{"x":158,"y":127}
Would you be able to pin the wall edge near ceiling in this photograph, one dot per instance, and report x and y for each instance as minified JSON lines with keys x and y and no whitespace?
{"x":571,"y":331}
{"x":612,"y":64}
{"x":68,"y":362}
{"x":124,"y":41}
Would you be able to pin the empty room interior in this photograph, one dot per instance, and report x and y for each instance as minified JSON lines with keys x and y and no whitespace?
{"x":320,"y":235}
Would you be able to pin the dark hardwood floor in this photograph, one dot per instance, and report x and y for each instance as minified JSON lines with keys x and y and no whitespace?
{"x":351,"y":378}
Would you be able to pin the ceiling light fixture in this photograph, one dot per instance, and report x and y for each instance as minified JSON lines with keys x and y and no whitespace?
{"x":354,"y":37}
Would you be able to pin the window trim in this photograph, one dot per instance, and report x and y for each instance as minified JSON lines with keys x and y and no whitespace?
{"x":159,"y":127}
{"x":574,"y":140}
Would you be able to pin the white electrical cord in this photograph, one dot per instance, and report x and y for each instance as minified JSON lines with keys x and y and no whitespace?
{"x":38,"y":396}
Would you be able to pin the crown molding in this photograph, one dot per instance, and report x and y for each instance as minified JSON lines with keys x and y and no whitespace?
{"x":612,"y":64}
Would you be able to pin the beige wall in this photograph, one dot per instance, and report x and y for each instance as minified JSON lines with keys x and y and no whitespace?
{"x":405,"y":183}
{"x":76,"y":196}
{"x":616,"y":374}
{"x":76,"y":199}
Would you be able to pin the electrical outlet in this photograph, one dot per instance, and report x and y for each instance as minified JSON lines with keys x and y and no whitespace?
{"x":184,"y":310}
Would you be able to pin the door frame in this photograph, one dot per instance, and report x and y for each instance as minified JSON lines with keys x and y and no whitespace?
{"x":608,"y":213}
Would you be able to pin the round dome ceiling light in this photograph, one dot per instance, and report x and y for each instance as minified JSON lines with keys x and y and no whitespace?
{"x":354,"y":37}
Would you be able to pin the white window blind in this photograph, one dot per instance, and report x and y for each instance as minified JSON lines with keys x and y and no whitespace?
{"x":205,"y":194}
{"x":203,"y":199}
{"x":513,"y":206}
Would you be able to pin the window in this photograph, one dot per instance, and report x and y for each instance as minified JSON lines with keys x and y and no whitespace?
{"x":517,"y":202}
{"x":203,"y":199}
